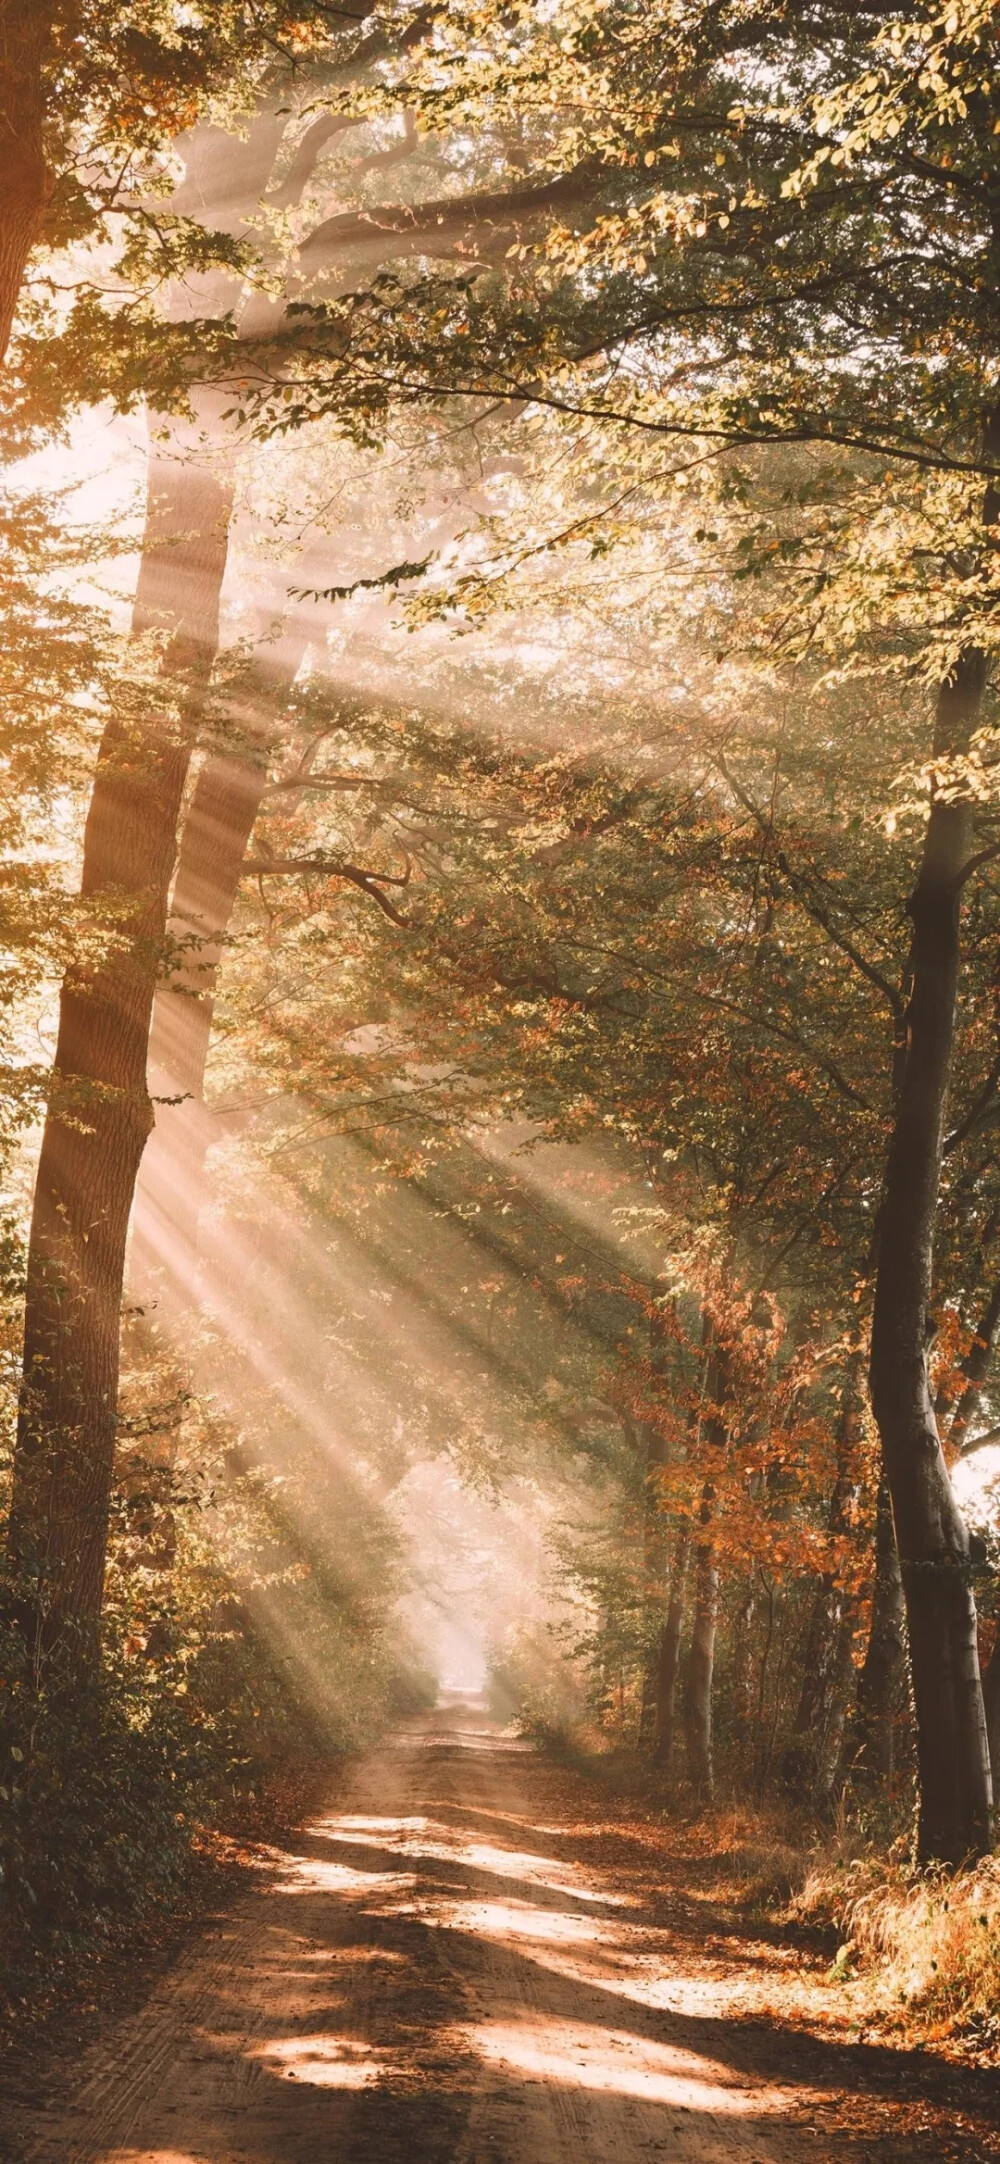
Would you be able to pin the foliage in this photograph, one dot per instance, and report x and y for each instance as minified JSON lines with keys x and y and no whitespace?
{"x":228,"y":1655}
{"x":920,"y":1950}
{"x":653,"y":359}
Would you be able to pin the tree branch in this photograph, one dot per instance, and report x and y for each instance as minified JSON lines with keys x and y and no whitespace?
{"x":413,"y":228}
{"x":356,"y":875}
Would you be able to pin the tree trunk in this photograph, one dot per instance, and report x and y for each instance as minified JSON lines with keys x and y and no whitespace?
{"x":701,"y":1663}
{"x":882,"y":1682}
{"x":99,"y":1112}
{"x":698,"y":1705}
{"x":811,"y":1761}
{"x":741,"y":1680}
{"x":830,"y":1748}
{"x":214,"y":838}
{"x":25,"y":40}
{"x":164,"y":1243}
{"x":654,"y":1589}
{"x":654,"y":1538}
{"x":669,"y":1659}
{"x":991,"y":1702}
{"x":933,"y":1544}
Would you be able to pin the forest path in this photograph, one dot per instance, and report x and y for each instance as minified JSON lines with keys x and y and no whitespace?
{"x":461,"y":1959}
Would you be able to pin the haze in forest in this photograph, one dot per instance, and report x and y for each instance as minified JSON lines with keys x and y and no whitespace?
{"x":499,"y":904}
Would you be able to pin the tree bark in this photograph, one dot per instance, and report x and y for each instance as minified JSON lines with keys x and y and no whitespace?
{"x":741,"y":1680}
{"x":213,"y":845}
{"x":882,"y":1681}
{"x":991,"y":1702}
{"x":698,"y":1707}
{"x":654,"y":1584}
{"x":812,"y":1759}
{"x":25,"y":40}
{"x":668,"y":1660}
{"x":654,"y":1538}
{"x":830,"y":1750}
{"x":932,"y":1540}
{"x":701,"y":1661}
{"x":99,"y":1111}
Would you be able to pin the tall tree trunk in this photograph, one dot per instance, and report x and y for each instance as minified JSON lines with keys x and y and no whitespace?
{"x":882,"y":1682}
{"x":811,"y":1761}
{"x":99,"y":1112}
{"x":654,"y":1539}
{"x":933,"y":1543}
{"x":25,"y":41}
{"x":698,"y":1706}
{"x":991,"y":1702}
{"x":830,"y":1749}
{"x":701,"y":1660}
{"x":164,"y":1244}
{"x":741,"y":1680}
{"x":654,"y":1587}
{"x":214,"y":838}
{"x":668,"y":1659}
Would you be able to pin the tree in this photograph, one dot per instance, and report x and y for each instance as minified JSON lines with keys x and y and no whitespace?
{"x":91,"y":99}
{"x":25,"y":31}
{"x":789,"y":264}
{"x":100,"y":1114}
{"x":99,"y":1111}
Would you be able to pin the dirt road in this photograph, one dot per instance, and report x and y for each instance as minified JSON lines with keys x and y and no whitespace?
{"x":459,"y":1961}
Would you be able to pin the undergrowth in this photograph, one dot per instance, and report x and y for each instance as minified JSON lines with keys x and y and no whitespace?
{"x":912,"y":1951}
{"x":915,"y":1949}
{"x":235,"y":1658}
{"x":922,"y":1945}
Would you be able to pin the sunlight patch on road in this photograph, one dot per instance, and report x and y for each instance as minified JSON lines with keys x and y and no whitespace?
{"x":538,"y":1870}
{"x":613,"y":2060}
{"x":324,"y":2062}
{"x":465,"y":1813}
{"x":315,"y":1874}
{"x":322,"y":1956}
{"x":594,"y":1953}
{"x":382,"y":1828}
{"x":426,"y":1840}
{"x":661,"y":1985}
{"x":516,"y":1920}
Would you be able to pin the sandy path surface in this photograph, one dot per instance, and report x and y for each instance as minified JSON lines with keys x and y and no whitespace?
{"x":453,"y":1962}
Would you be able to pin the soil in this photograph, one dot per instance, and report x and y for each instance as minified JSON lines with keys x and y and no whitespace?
{"x":465,"y":1957}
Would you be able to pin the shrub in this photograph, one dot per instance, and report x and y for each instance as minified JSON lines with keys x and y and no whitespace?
{"x":926,"y":1943}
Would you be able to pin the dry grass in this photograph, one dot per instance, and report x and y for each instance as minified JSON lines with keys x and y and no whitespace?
{"x":918,"y":1950}
{"x":751,"y":1857}
{"x":915,"y":1952}
{"x":765,"y":1871}
{"x":924,"y":1945}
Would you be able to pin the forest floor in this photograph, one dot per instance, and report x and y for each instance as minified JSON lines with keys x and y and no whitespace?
{"x":466,"y":1955}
